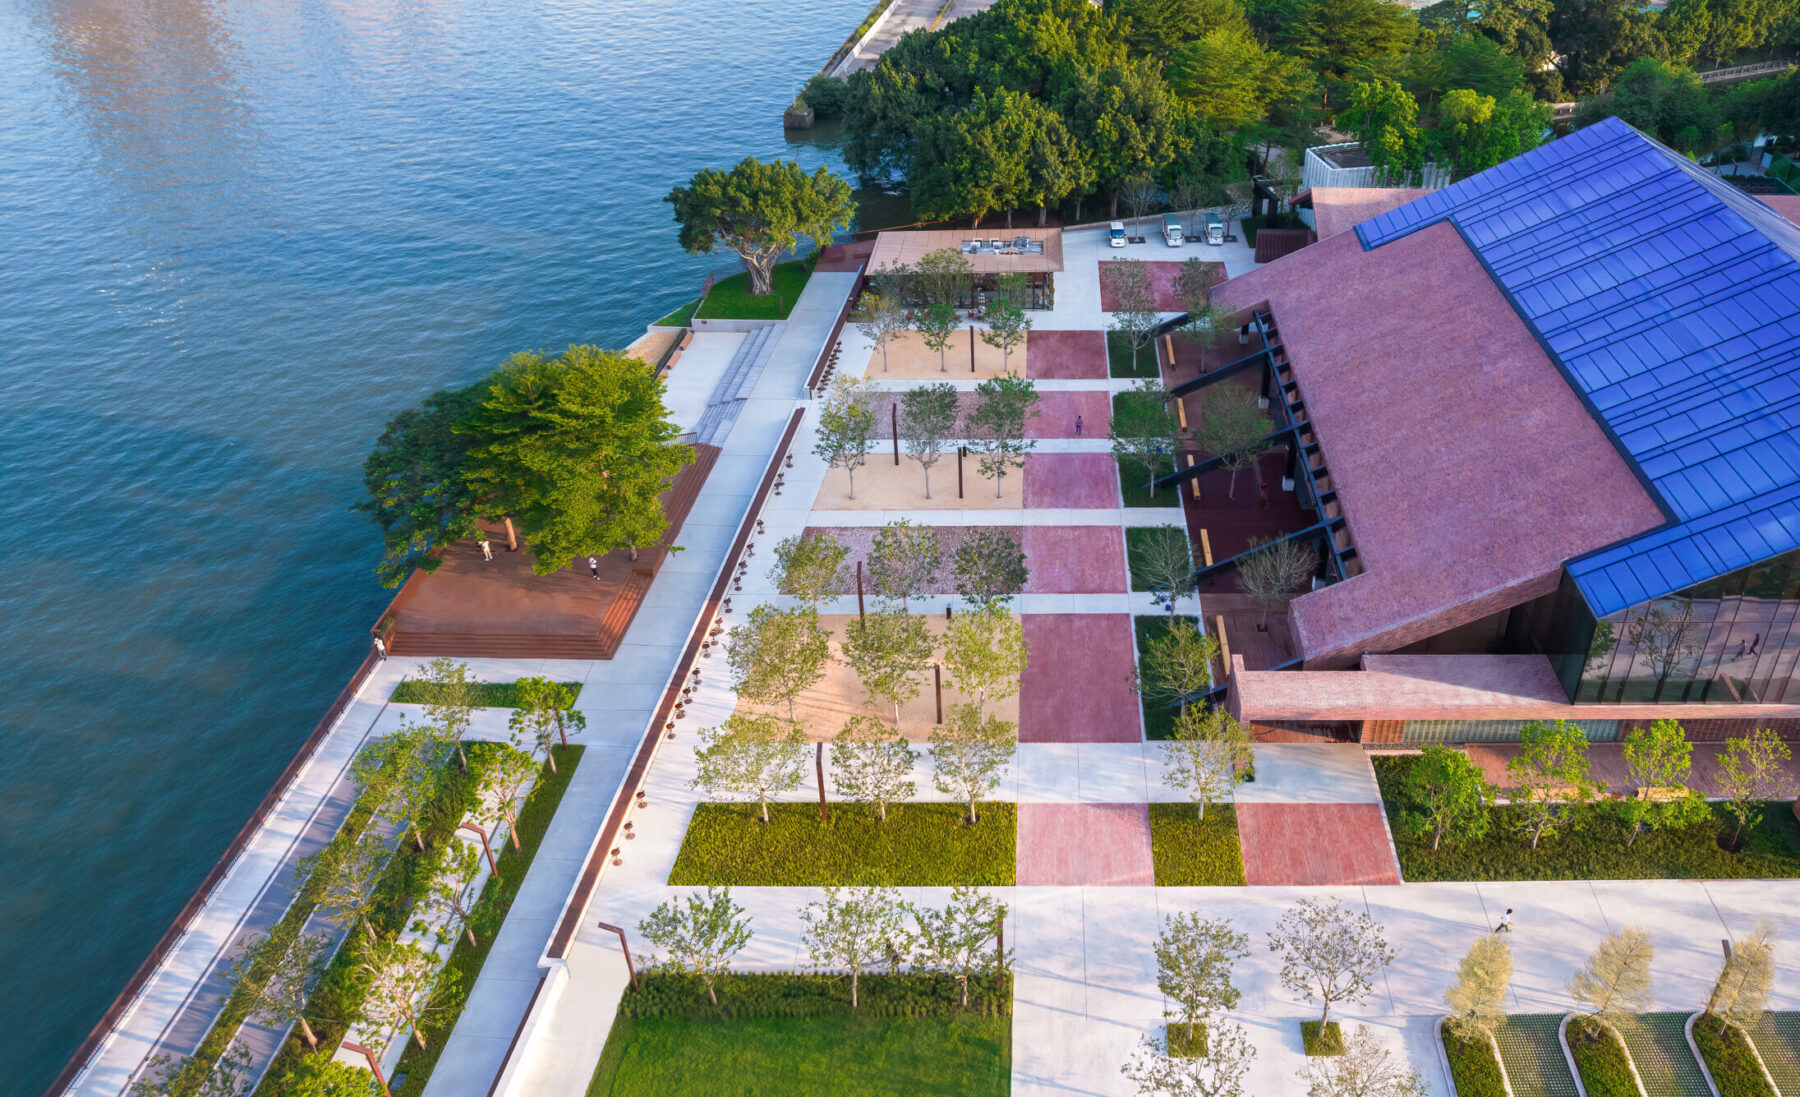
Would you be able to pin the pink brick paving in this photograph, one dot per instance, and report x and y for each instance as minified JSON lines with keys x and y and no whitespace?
{"x":1057,"y":412}
{"x":1074,"y":559}
{"x":1074,"y":480}
{"x":1162,"y":280}
{"x":1085,"y":845}
{"x":1294,"y":844}
{"x":1077,"y":685}
{"x":1066,"y":355}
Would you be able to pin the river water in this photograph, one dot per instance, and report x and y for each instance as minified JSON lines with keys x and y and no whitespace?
{"x":235,"y":236}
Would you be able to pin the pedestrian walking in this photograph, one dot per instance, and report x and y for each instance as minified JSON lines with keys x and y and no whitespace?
{"x":1755,"y":643}
{"x":1505,"y":925}
{"x":487,"y":550}
{"x":380,"y":650}
{"x":1078,"y":426}
{"x":594,"y":566}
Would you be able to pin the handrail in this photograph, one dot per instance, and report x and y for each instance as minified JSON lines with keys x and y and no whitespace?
{"x":814,"y":379}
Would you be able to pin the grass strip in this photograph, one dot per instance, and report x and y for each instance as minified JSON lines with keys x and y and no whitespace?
{"x":918,"y":845}
{"x":1474,"y":1067}
{"x":1596,"y":849}
{"x":412,"y":691}
{"x":1600,"y":1057}
{"x":1729,"y":1058}
{"x":731,"y":299}
{"x":496,"y":901}
{"x":1134,"y":489}
{"x":1119,"y":361}
{"x":1141,"y":541}
{"x":1196,"y":852}
{"x":681,"y":317}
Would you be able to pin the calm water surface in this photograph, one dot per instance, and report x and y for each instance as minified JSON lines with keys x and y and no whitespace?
{"x":235,"y":236}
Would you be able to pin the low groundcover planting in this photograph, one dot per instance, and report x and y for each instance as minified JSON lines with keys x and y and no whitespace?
{"x":920,"y":844}
{"x":1190,"y":852}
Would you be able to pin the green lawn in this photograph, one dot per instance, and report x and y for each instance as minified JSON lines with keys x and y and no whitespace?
{"x":681,"y":317}
{"x":1595,"y":851}
{"x":411,"y":691}
{"x":1159,"y":719}
{"x":730,"y":298}
{"x":1119,"y":362}
{"x":1192,"y":852}
{"x":919,"y":845}
{"x":1134,"y":487}
{"x":1140,"y":540}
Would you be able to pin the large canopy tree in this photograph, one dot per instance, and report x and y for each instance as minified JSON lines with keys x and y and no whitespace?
{"x":579,"y":448}
{"x":1003,"y":151}
{"x":760,"y":211}
{"x":417,"y":494}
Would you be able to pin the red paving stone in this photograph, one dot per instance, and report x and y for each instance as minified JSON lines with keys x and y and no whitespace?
{"x":1066,"y":355}
{"x":1085,"y":845}
{"x":1074,"y":560}
{"x":1056,"y":412}
{"x":1162,"y":280}
{"x":1315,"y":844}
{"x":1077,"y":684}
{"x":1077,"y":480}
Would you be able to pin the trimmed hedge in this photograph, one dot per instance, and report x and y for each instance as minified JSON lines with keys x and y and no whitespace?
{"x":923,"y":844}
{"x":1729,"y":1057}
{"x":1595,"y":850}
{"x":1605,"y":1067}
{"x":681,"y":996}
{"x":1330,"y":1042}
{"x":1190,"y":852}
{"x":412,"y":691}
{"x":1474,"y":1067}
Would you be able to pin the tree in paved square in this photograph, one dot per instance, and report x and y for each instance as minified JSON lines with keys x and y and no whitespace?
{"x":1658,"y":760}
{"x":750,"y":755}
{"x":1134,"y":303}
{"x":970,"y":753}
{"x":1329,"y":954}
{"x":1274,"y":572}
{"x":1193,"y":967}
{"x":698,"y":934}
{"x":546,"y":708}
{"x":1447,"y":797}
{"x":904,"y":560}
{"x":880,"y":317}
{"x":1234,"y":429}
{"x":854,"y":929}
{"x":453,"y":691}
{"x":1177,"y":664}
{"x":811,"y":566}
{"x":1477,"y":999}
{"x":937,"y":327}
{"x":1003,"y":408}
{"x":1007,"y":320}
{"x":990,"y":566}
{"x":888,"y":650}
{"x":845,"y":427}
{"x":1219,"y":1073}
{"x":405,"y":987}
{"x":1750,"y":773}
{"x":778,"y":654}
{"x":1549,"y":775}
{"x":1162,"y":562}
{"x":1143,"y":429}
{"x":1614,"y":985}
{"x":1741,"y":992}
{"x":872,"y":764}
{"x":1206,"y":754}
{"x":272,"y":976}
{"x":1365,"y":1069}
{"x":985,"y":652}
{"x":928,"y":416}
{"x":760,"y":211}
{"x":342,"y":878}
{"x":962,"y":939}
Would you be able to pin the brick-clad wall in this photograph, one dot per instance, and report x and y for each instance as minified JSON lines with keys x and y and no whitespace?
{"x":1717,"y":731}
{"x":1382,"y":732}
{"x":1303,"y":731}
{"x":1423,"y":628}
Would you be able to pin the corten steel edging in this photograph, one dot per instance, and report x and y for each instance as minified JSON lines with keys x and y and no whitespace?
{"x":837,"y":329}
{"x":78,"y":1061}
{"x":601,"y":852}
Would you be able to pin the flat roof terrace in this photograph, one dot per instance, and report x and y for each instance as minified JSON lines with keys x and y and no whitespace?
{"x":1041,"y":250}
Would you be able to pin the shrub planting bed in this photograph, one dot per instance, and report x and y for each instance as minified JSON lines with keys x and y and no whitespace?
{"x":1729,"y":1058}
{"x":1190,"y":852}
{"x":926,"y":844}
{"x":1601,"y":1059}
{"x":411,"y":691}
{"x":1159,"y":718}
{"x":1474,"y":1067}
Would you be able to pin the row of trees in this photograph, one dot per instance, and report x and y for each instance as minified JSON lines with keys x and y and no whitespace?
{"x":931,"y":423}
{"x":925,"y":296}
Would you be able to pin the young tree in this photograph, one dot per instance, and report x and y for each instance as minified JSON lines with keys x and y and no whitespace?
{"x":845,"y":427}
{"x":1549,"y":777}
{"x":1177,"y":664}
{"x":315,"y":1076}
{"x":990,"y":566}
{"x":880,"y":318}
{"x":405,"y":987}
{"x":1163,"y":564}
{"x":778,"y":654}
{"x":1204,"y":757}
{"x":888,"y":651}
{"x":752,"y":756}
{"x":1194,"y":285}
{"x":698,"y":934}
{"x":970,"y":753}
{"x":1003,"y":408}
{"x":985,"y":652}
{"x":546,"y":710}
{"x":448,"y":885}
{"x":165,"y":1076}
{"x":1658,"y":759}
{"x":1275,"y":572}
{"x":760,"y":211}
{"x":852,"y":930}
{"x":1193,"y":967}
{"x":1664,"y":639}
{"x":937,"y":326}
{"x":1615,"y":983}
{"x":1329,"y":953}
{"x":870,"y":764}
{"x":580,"y":448}
{"x":1365,"y":1069}
{"x":1218,"y":1073}
{"x":1234,"y":430}
{"x":453,"y":692}
{"x":811,"y":566}
{"x":1741,"y":992}
{"x":1477,"y":999}
{"x":960,"y":940}
{"x":1750,"y":773}
{"x":1143,"y":429}
{"x":1134,"y":303}
{"x":271,"y":978}
{"x":904,"y":560}
{"x":943,"y":277}
{"x":1007,"y":320}
{"x":1448,"y":797}
{"x":397,"y":773}
{"x":509,"y":772}
{"x":342,"y":877}
{"x":927,"y":423}
{"x":417,"y":492}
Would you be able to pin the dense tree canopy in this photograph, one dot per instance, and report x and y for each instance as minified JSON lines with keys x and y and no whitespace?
{"x":759,"y":211}
{"x":417,"y":494}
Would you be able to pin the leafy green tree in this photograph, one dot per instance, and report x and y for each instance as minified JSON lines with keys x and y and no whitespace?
{"x":396,"y":774}
{"x":343,"y":876}
{"x":1193,"y":966}
{"x":1329,"y":954}
{"x":546,"y":709}
{"x":1750,"y":773}
{"x":1203,"y":758}
{"x":811,"y":566}
{"x":1003,"y":407}
{"x":698,"y":934}
{"x":1477,"y":999}
{"x":990,"y":566}
{"x":1475,"y":132}
{"x":1550,"y":778}
{"x":1194,"y":285}
{"x":1007,"y":321}
{"x":404,"y":987}
{"x":1519,"y":27}
{"x":880,"y":318}
{"x":449,"y":897}
{"x":1233,"y":429}
{"x":937,"y":326}
{"x":1593,"y":40}
{"x":453,"y":691}
{"x":778,"y":654}
{"x":417,"y":492}
{"x":751,"y":755}
{"x":1614,"y":985}
{"x":1127,"y":121}
{"x":166,"y":1076}
{"x":1334,"y":36}
{"x":1162,"y":562}
{"x":969,"y":754}
{"x":1177,"y":664}
{"x":845,"y":427}
{"x":1158,"y":28}
{"x":904,"y":560}
{"x":1143,"y":429}
{"x":1386,"y":120}
{"x":1658,"y":759}
{"x":580,"y":449}
{"x":1448,"y":797}
{"x":942,"y":277}
{"x":759,"y":211}
{"x":928,"y":415}
{"x":985,"y":652}
{"x":1663,"y":100}
{"x":870,"y":764}
{"x":1004,"y":150}
{"x":961,"y":939}
{"x":1135,"y":317}
{"x":1741,"y":992}
{"x":271,"y":977}
{"x":1219,"y":1073}
{"x":888,"y":651}
{"x":508,"y":772}
{"x":853,"y":929}
{"x":1230,"y":80}
{"x":1477,"y":63}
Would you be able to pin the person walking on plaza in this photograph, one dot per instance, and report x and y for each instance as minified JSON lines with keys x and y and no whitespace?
{"x":1078,"y":426}
{"x":487,"y":550}
{"x":1505,"y":925}
{"x":594,"y":566}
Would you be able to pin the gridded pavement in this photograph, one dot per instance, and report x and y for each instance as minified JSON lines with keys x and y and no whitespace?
{"x":1777,"y":1040}
{"x":1071,"y":480}
{"x":1315,"y":844}
{"x":1085,"y":845}
{"x":1533,"y":1056}
{"x":1659,"y":1049}
{"x":1077,"y":684}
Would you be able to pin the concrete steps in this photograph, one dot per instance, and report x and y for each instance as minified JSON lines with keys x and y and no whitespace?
{"x":734,"y":387}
